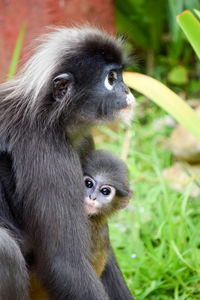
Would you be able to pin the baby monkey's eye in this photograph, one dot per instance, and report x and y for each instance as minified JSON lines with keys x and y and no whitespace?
{"x":105,"y":191}
{"x":88,"y":183}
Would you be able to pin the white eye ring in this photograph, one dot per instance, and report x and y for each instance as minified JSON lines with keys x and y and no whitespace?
{"x":110,"y":79}
{"x":87,"y":178}
{"x":111,"y":189}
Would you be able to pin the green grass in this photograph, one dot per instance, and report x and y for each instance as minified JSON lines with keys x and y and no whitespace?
{"x":16,"y":52}
{"x":160,"y":226}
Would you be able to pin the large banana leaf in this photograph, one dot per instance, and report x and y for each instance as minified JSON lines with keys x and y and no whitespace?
{"x":191,"y":27}
{"x":165,"y":98}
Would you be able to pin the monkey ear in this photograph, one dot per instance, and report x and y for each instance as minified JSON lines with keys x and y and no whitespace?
{"x":124,"y":203}
{"x":62,"y":85}
{"x":125,"y":200}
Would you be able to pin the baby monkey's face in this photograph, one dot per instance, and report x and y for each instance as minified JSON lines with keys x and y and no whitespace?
{"x":98,"y":194}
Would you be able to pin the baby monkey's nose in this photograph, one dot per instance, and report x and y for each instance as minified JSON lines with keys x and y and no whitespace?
{"x":92,"y":198}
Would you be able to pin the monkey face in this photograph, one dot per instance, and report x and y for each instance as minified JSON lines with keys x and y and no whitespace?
{"x":117,"y":100}
{"x":106,"y":180}
{"x":104,"y":100}
{"x":98,"y":195}
{"x":90,"y":88}
{"x":122,"y":99}
{"x":101,"y":198}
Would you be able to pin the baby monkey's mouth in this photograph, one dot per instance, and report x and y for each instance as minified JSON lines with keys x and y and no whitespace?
{"x":90,"y":209}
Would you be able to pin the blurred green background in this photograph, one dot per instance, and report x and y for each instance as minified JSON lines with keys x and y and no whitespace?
{"x":157,"y":43}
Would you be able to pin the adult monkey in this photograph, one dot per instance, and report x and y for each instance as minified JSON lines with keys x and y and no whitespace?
{"x":72,"y":81}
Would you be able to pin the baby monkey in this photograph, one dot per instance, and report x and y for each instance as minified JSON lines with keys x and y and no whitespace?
{"x":107,"y":190}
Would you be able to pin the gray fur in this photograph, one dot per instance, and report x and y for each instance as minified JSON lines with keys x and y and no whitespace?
{"x":48,"y":56}
{"x":13,"y":271}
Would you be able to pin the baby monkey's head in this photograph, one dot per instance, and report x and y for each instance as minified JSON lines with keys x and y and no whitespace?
{"x":107,"y":186}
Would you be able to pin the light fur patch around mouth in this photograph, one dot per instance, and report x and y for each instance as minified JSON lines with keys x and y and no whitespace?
{"x":90,"y":209}
{"x":127,"y":114}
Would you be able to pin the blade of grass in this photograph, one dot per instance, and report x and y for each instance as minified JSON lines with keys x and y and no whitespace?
{"x":191,"y":27}
{"x":16,"y":53}
{"x":166,"y":99}
{"x":175,"y":248}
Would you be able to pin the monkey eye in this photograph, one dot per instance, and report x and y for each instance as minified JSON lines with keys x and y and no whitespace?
{"x":88,"y":182}
{"x":108,"y":191}
{"x":105,"y":191}
{"x":111,"y":77}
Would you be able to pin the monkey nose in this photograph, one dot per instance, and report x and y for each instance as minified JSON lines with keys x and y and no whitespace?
{"x":92,"y":198}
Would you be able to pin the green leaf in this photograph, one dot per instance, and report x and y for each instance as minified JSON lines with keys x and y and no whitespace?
{"x":197,"y":12}
{"x":156,"y":12}
{"x":16,"y":53}
{"x":166,"y":99}
{"x":177,"y":37}
{"x":191,"y":27}
{"x":178,"y":75}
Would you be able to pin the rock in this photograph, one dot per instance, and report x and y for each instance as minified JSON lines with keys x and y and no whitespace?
{"x":184,"y":145}
{"x":194,"y":103}
{"x":179,"y":175}
{"x":165,"y":121}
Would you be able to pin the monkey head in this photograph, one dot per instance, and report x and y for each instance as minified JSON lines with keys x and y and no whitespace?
{"x":73,"y":80}
{"x":107,"y":187}
{"x":88,"y":83}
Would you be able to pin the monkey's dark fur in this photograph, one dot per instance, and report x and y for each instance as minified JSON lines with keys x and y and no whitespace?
{"x":115,"y":173}
{"x":44,"y":110}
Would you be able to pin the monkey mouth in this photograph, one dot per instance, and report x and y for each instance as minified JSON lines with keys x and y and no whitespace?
{"x":89,"y":208}
{"x":126,"y":114}
{"x":128,"y":108}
